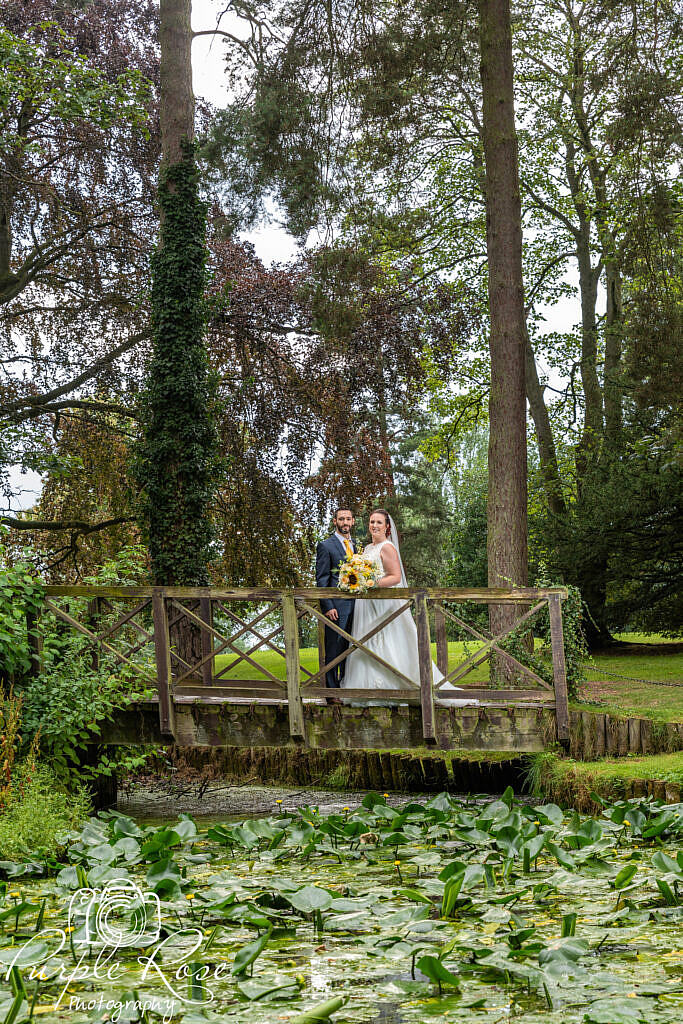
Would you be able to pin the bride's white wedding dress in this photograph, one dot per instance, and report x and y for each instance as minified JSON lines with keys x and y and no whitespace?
{"x":396,"y":643}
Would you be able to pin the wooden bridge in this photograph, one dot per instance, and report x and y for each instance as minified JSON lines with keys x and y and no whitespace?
{"x":201,"y":666}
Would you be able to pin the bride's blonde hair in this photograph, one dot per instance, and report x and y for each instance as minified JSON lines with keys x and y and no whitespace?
{"x":387,"y":519}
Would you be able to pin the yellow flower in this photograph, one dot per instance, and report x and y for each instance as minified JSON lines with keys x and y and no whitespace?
{"x":190,"y":896}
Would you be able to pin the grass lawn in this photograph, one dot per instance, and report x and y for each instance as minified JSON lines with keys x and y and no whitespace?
{"x":668,"y":767}
{"x":603,"y":689}
{"x":639,"y":700}
{"x":309,"y":660}
{"x":573,"y":783}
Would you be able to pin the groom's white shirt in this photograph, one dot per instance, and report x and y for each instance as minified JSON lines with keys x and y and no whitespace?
{"x":343,"y":540}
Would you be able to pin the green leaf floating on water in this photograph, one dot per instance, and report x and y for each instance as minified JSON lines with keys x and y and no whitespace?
{"x":322,"y":1012}
{"x":164,"y":877}
{"x":247,"y":954}
{"x":625,"y":876}
{"x":437,"y":972}
{"x":662,"y":862}
{"x":124,"y":826}
{"x":13,"y":869}
{"x":17,"y":910}
{"x":670,"y":897}
{"x":23,"y":956}
{"x":551,"y":812}
{"x":309,"y":899}
{"x":563,"y":951}
{"x":561,"y":856}
{"x":619,"y":1011}
{"x":414,"y":894}
{"x":254,"y":990}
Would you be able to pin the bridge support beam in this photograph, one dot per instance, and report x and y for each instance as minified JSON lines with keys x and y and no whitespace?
{"x":162,"y":653}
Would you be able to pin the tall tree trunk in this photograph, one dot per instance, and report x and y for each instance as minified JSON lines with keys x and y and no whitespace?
{"x":176,"y":110}
{"x":507,"y":493}
{"x":544,"y":436}
{"x":383,"y":422}
{"x":588,"y":290}
{"x":180,"y":442}
{"x":590,"y":578}
{"x":613,"y":346}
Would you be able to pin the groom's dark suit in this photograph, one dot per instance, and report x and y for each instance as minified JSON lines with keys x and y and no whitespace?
{"x":329,"y":554}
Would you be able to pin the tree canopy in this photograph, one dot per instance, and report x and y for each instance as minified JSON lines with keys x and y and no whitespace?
{"x":358,"y":371}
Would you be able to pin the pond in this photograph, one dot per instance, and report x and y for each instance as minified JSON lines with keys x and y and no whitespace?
{"x":450,"y":909}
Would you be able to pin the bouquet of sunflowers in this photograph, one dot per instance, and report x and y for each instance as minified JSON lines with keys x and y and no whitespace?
{"x":357,"y":574}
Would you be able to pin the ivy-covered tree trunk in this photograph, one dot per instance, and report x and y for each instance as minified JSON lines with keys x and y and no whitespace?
{"x":177,"y":456}
{"x":178,"y":448}
{"x":507,"y":543}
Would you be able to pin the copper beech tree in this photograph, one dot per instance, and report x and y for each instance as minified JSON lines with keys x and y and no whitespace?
{"x":77,"y":178}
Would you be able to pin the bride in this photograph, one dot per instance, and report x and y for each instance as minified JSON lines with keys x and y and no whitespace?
{"x":396,"y":642}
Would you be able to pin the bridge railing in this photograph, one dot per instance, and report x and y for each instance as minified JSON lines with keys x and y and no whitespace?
{"x":210,"y":645}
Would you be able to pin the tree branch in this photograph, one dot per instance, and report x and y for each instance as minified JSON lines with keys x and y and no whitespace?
{"x":75,"y":525}
{"x":29,"y":402}
{"x":41,"y":409}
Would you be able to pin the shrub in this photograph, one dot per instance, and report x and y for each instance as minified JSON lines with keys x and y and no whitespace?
{"x":64,"y":707}
{"x":39,"y":813}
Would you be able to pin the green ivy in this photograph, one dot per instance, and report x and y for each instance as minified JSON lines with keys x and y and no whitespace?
{"x":20,"y":592}
{"x":575,"y":649}
{"x":176,"y":460}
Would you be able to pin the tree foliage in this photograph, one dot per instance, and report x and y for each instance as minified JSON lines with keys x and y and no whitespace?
{"x":79,"y":148}
{"x":385,"y":103}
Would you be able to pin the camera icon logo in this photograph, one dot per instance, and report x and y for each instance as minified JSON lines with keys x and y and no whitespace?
{"x":119,"y":914}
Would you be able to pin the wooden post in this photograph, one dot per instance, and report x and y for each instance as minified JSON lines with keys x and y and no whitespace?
{"x":321,"y":644}
{"x":35,"y":644}
{"x":207,"y":640}
{"x":425,"y":661}
{"x":559,"y":669}
{"x":291,"y":630}
{"x":162,"y":652}
{"x":441,"y":641}
{"x":93,"y":620}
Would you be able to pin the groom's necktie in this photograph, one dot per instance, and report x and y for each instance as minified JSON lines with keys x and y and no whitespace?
{"x":349,"y":549}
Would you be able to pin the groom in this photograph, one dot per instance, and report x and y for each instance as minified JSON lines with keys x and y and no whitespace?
{"x":329,"y":554}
